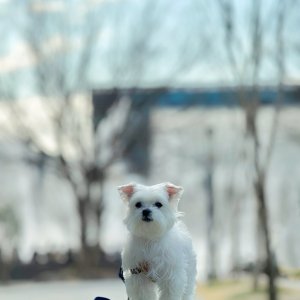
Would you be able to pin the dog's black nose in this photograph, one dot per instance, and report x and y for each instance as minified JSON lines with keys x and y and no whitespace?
{"x":146,"y":212}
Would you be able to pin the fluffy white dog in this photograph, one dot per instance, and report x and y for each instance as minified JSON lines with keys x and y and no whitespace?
{"x":158,"y":259}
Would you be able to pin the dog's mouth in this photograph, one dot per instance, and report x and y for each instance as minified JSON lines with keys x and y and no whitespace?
{"x":147,"y":219}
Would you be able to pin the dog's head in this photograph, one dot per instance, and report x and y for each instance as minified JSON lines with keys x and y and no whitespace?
{"x":152,"y":209}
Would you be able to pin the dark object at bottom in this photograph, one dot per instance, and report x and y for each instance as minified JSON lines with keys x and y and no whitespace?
{"x":121,"y":277}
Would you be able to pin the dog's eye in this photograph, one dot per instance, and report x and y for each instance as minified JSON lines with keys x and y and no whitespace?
{"x":138,"y":205}
{"x":158,"y":204}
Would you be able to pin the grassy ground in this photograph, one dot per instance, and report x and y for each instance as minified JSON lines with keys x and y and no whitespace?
{"x":240,"y":290}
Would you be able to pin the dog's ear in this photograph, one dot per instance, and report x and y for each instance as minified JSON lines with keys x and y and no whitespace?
{"x":174,"y":192}
{"x":126,"y":191}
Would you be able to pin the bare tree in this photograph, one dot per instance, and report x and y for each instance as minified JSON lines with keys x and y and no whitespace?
{"x":249,"y":68}
{"x":62,"y":41}
{"x":80,"y":153}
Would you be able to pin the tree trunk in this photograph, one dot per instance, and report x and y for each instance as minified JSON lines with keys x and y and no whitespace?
{"x":235,"y":234}
{"x":90,"y":208}
{"x":211,"y":230}
{"x":260,"y":193}
{"x":99,"y":208}
{"x":271,"y":269}
{"x":260,"y":252}
{"x":82,"y":210}
{"x":211,"y":234}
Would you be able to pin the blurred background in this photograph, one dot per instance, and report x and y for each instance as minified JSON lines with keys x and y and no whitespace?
{"x":98,"y":93}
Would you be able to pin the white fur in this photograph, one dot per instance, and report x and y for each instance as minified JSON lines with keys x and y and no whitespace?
{"x":163,"y":243}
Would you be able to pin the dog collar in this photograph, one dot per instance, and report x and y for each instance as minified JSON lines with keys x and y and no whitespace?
{"x":136,"y":271}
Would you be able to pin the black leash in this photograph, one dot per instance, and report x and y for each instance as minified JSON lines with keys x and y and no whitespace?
{"x":121,"y":274}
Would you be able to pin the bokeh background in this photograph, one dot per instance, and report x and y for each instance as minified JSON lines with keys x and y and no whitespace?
{"x":98,"y":93}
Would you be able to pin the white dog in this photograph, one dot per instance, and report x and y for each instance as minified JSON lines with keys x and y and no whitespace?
{"x":158,"y":258}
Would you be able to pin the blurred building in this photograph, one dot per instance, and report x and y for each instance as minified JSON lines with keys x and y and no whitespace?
{"x":138,"y":151}
{"x":143,"y":99}
{"x":183,"y":97}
